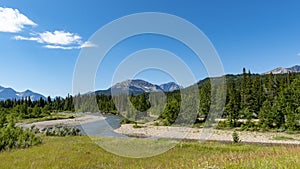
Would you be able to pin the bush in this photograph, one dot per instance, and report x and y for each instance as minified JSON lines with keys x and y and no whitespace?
{"x":235,"y":137}
{"x":127,"y":121}
{"x":222,"y":125}
{"x":15,"y":137}
{"x":62,"y":131}
{"x":136,"y":126}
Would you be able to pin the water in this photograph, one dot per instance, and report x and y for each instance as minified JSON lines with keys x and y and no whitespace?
{"x":102,"y":128}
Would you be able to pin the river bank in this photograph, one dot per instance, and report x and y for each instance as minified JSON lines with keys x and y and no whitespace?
{"x":82,"y":119}
{"x":185,"y":133}
{"x":90,"y":125}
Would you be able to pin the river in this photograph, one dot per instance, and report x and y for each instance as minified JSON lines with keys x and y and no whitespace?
{"x":102,"y":127}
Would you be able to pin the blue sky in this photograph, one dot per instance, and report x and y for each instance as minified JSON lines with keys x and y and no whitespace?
{"x":39,"y":52}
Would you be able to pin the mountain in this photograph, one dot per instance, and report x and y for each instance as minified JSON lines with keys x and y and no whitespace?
{"x":281,"y":70}
{"x":171,"y":86}
{"x":138,"y":86}
{"x":9,"y":93}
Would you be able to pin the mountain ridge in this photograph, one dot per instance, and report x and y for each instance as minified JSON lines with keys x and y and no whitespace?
{"x":138,"y":86}
{"x":9,"y":93}
{"x":281,"y":70}
{"x":131,"y":86}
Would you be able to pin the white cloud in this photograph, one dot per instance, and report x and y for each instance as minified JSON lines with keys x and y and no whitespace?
{"x":298,"y":54}
{"x":86,"y":44}
{"x":11,"y":20}
{"x":58,"y":40}
{"x":55,"y":38}
{"x":61,"y":47}
{"x":26,"y":38}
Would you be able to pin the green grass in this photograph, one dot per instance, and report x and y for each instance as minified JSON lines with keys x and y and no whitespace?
{"x":81,"y":152}
{"x":283,"y":138}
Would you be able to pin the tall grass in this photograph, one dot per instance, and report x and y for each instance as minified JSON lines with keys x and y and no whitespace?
{"x":81,"y":152}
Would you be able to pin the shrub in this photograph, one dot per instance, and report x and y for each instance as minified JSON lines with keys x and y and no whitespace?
{"x":15,"y":137}
{"x":127,"y":121}
{"x":62,"y":131}
{"x":235,"y":137}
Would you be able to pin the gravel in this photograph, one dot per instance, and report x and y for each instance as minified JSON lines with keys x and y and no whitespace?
{"x":207,"y":134}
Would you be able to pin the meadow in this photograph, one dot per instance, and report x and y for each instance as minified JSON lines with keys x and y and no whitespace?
{"x":82,"y":152}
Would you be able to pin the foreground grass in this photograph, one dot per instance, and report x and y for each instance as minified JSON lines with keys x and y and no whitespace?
{"x":81,"y":152}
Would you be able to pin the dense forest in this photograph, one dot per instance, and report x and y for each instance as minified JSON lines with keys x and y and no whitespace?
{"x":255,"y":102}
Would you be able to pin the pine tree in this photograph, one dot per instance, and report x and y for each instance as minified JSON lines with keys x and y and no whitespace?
{"x":257,"y":95}
{"x":264,"y":115}
{"x":289,"y":105}
{"x":233,"y":105}
{"x":204,"y":100}
{"x":243,"y":88}
{"x":271,"y":91}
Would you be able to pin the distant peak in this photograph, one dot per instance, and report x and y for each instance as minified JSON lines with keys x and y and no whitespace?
{"x":281,"y":70}
{"x":9,"y":93}
{"x":138,"y":86}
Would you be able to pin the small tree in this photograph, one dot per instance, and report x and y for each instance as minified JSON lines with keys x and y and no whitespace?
{"x":235,"y":137}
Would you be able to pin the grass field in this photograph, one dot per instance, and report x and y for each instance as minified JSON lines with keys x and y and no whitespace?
{"x":81,"y":152}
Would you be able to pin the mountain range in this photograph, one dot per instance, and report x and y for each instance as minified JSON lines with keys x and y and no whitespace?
{"x":135,"y":87}
{"x":281,"y":70}
{"x":138,"y":86}
{"x":9,"y":93}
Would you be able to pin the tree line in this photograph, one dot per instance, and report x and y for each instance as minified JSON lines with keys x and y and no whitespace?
{"x":271,"y":99}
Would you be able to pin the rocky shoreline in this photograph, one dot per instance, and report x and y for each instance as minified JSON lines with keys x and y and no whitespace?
{"x":178,"y":133}
{"x":201,"y":134}
{"x":87,"y":118}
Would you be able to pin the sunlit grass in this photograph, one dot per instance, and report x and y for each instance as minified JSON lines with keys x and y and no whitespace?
{"x":81,"y":152}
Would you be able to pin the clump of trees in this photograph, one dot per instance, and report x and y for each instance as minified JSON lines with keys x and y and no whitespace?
{"x":26,"y":108}
{"x":263,"y":102}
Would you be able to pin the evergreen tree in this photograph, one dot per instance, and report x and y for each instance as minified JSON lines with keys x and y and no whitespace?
{"x":233,"y":104}
{"x":265,"y":115}
{"x":205,"y":100}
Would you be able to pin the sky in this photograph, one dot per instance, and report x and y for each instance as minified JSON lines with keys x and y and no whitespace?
{"x":40,"y":41}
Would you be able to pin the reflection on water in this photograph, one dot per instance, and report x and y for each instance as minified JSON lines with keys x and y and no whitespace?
{"x":102,"y":127}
